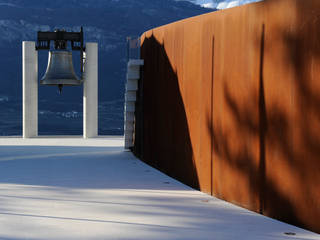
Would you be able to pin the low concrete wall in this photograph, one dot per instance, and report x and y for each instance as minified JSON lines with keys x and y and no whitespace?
{"x":230,"y":104}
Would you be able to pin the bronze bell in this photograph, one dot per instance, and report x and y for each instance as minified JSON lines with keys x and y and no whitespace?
{"x":60,"y":70}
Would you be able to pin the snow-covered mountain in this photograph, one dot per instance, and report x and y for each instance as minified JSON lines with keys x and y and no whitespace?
{"x":221,"y":4}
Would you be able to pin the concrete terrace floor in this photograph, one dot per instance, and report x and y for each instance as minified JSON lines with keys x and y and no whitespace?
{"x":71,"y":188}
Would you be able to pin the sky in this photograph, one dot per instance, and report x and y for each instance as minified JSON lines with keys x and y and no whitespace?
{"x":221,"y":4}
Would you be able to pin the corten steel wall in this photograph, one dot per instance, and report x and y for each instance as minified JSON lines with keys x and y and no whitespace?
{"x":230,"y":104}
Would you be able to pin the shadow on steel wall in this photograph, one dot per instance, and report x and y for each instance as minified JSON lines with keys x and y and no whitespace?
{"x":284,"y":175}
{"x":165,"y":143}
{"x":271,"y":129}
{"x":265,"y":118}
{"x":296,"y":133}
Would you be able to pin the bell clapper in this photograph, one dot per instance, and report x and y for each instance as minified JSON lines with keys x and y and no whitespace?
{"x":60,"y":88}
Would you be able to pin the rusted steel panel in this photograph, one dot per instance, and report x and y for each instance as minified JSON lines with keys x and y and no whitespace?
{"x":231,"y":106}
{"x":292,"y":90}
{"x":278,"y":88}
{"x":236,"y":110}
{"x":206,"y":80}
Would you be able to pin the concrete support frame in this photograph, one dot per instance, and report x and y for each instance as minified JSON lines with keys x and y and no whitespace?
{"x":90,"y":92}
{"x":29,"y":90}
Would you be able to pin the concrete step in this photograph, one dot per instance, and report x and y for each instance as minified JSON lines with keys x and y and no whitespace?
{"x":129,"y":126}
{"x":132,"y":85}
{"x":135,"y":62}
{"x":130,"y":107}
{"x":133,"y":74}
{"x":129,"y":116}
{"x":128,"y":143}
{"x":130,"y":96}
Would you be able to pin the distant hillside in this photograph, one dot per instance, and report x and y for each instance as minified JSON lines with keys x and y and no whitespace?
{"x":107,"y":22}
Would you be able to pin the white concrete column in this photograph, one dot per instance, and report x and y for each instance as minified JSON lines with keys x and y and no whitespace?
{"x":90,"y":92}
{"x":29,"y":90}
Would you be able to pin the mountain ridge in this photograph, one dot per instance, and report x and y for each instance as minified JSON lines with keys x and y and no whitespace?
{"x":105,"y":22}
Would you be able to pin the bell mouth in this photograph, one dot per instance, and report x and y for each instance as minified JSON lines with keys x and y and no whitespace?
{"x":65,"y":82}
{"x":60,"y":70}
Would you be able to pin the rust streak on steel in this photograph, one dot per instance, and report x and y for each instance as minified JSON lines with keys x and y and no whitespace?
{"x":231,"y":106}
